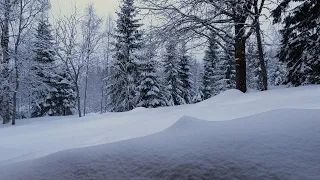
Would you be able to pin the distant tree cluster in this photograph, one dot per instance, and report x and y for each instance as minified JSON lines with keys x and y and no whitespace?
{"x":83,"y":64}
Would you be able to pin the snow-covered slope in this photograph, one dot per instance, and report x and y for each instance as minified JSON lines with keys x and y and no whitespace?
{"x":279,"y":144}
{"x":278,"y":109}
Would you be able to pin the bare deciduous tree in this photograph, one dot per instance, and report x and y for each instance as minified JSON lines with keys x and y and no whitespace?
{"x":199,"y":18}
{"x":91,"y":36}
{"x":17,"y":20}
{"x":69,"y":50}
{"x":27,"y":11}
{"x":106,"y":52}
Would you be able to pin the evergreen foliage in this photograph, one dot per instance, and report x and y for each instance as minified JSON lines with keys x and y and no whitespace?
{"x":229,"y":62}
{"x":210,"y":59}
{"x":196,"y":76}
{"x":276,"y":69}
{"x":184,"y":74}
{"x":53,"y":95}
{"x":300,"y":47}
{"x":254,"y":79}
{"x":225,"y":72}
{"x":124,"y":78}
{"x":173,"y":84}
{"x":150,"y":95}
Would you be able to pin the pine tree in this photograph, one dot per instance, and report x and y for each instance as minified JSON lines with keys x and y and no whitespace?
{"x":173,"y":83}
{"x":225,"y":70}
{"x":276,"y":69}
{"x":54,"y":96}
{"x":124,"y":78}
{"x":196,"y":76}
{"x":230,"y":66}
{"x":184,"y":74}
{"x":220,"y":76}
{"x":43,"y":64}
{"x":300,"y":47}
{"x":224,"y":73}
{"x":62,"y":96}
{"x":150,"y":95}
{"x":254,"y":79}
{"x":209,"y":60}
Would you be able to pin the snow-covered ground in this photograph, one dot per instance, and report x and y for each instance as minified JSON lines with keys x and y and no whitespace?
{"x":271,"y":135}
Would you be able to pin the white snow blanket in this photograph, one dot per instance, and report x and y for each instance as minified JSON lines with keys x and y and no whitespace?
{"x":260,"y":135}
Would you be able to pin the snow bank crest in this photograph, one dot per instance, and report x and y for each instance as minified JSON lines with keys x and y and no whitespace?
{"x":187,"y":124}
{"x":226,"y":95}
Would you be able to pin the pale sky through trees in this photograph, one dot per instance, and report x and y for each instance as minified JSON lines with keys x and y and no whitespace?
{"x":103,"y":7}
{"x":109,"y":7}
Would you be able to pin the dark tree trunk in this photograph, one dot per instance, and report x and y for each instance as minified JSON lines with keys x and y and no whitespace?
{"x":105,"y":85}
{"x":85,"y":91}
{"x":14,"y":114}
{"x":240,"y":15}
{"x":264,"y":73}
{"x":240,"y":57}
{"x":102,"y":97}
{"x":78,"y":100}
{"x":16,"y":65}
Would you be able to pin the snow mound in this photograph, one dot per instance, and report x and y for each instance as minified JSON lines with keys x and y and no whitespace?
{"x":280,"y":144}
{"x":34,"y":138}
{"x":223,"y":96}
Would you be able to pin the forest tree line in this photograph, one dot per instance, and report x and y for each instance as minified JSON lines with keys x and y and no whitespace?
{"x":80,"y":63}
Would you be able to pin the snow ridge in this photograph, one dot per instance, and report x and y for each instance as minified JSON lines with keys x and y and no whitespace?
{"x":280,"y":144}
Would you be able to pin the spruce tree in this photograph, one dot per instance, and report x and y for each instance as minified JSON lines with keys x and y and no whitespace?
{"x":252,"y":66}
{"x":53,"y":95}
{"x":254,"y":73}
{"x":229,"y":63}
{"x":173,"y":83}
{"x":184,"y":74}
{"x":125,"y":77}
{"x":276,"y":69}
{"x":196,"y":76}
{"x":209,"y":61}
{"x":149,"y":95}
{"x":300,"y":46}
{"x":225,"y":71}
{"x":220,"y":76}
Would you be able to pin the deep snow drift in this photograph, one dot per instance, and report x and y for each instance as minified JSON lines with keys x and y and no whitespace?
{"x":280,"y":144}
{"x":275,"y":137}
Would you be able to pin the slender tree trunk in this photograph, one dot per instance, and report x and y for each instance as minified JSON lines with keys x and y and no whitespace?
{"x":16,"y":66}
{"x":85,"y":91}
{"x":240,"y":57}
{"x":106,"y":97}
{"x":78,"y":99}
{"x":5,"y":65}
{"x":14,"y":114}
{"x":16,"y":88}
{"x":104,"y":81}
{"x":107,"y":75}
{"x":264,"y":73}
{"x":101,"y":102}
{"x":107,"y":64}
{"x":106,"y":85}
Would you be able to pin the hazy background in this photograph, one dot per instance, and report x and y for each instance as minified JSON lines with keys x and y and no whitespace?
{"x":103,"y":7}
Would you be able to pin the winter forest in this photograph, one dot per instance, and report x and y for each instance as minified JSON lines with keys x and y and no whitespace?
{"x":151,"y":53}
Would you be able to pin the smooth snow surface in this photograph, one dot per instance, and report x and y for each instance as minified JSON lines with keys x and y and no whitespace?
{"x":274,"y":135}
{"x":277,"y":145}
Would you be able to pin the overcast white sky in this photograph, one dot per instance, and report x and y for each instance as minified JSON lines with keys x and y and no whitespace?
{"x":103,"y":7}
